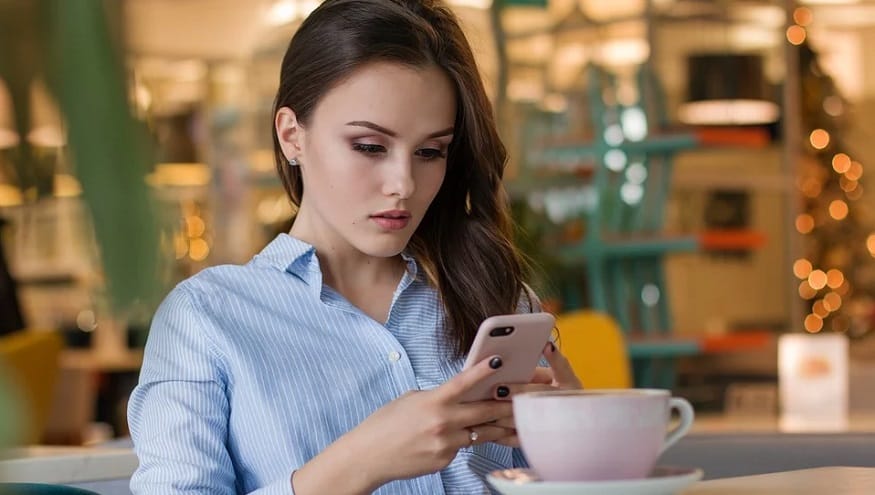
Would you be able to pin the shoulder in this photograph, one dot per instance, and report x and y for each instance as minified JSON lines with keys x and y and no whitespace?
{"x":203,"y":295}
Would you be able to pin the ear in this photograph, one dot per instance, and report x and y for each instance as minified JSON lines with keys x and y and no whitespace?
{"x":289,"y":132}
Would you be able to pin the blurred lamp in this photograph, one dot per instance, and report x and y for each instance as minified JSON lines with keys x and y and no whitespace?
{"x":727,"y":89}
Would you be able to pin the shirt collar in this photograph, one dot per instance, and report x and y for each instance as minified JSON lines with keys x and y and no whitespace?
{"x":289,"y":254}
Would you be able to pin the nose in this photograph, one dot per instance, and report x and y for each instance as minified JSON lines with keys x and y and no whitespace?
{"x":398,"y":179}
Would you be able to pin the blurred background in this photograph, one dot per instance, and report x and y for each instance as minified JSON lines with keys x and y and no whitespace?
{"x":695,"y":171}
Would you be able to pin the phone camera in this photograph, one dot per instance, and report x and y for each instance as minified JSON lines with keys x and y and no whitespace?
{"x":501,"y":332}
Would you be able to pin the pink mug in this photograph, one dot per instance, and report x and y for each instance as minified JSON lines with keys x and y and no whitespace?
{"x":595,"y":435}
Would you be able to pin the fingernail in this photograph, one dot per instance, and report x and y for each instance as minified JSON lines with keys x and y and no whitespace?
{"x":495,"y":363}
{"x":502,"y":391}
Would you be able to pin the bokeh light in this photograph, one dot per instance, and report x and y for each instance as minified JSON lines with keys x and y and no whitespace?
{"x":805,"y":291}
{"x":796,"y":34}
{"x":819,"y":139}
{"x":838,"y":209}
{"x":813,"y":323}
{"x":835,"y":278}
{"x":832,"y":301}
{"x":805,"y":223}
{"x":841,"y":163}
{"x":803,"y":16}
{"x":817,"y":279}
{"x":802,"y":268}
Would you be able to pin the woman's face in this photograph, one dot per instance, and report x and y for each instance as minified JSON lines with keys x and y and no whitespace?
{"x":373,"y":156}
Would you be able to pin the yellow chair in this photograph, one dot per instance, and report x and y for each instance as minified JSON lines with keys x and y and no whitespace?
{"x":594,"y":345}
{"x":29,"y":362}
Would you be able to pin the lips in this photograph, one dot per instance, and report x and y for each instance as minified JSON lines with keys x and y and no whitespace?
{"x":392,"y":219}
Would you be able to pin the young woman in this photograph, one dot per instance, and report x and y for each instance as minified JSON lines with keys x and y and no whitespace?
{"x":331,"y":362}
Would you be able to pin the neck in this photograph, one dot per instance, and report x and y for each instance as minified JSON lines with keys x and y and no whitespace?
{"x":344,"y":268}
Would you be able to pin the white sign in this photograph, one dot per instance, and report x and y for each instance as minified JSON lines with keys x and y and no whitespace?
{"x":813,"y":380}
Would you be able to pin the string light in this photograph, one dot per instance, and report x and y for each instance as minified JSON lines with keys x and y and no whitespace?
{"x":855,"y":171}
{"x":819,"y":139}
{"x":806,"y":291}
{"x":833,"y":106}
{"x":796,"y":34}
{"x":832,"y":301}
{"x":817,"y":279}
{"x":819,"y":309}
{"x":835,"y":278}
{"x":856,"y":194}
{"x":802,"y":268}
{"x":198,"y":249}
{"x":870,"y":244}
{"x":841,"y":163}
{"x":812,"y":188}
{"x":813,"y":323}
{"x":838,"y":209}
{"x":847,"y":185}
{"x":803,"y":16}
{"x":805,"y":223}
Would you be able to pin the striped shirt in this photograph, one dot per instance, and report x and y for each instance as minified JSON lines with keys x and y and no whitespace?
{"x":250,"y":371}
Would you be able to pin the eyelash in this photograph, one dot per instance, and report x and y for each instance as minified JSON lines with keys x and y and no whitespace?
{"x":373,"y":149}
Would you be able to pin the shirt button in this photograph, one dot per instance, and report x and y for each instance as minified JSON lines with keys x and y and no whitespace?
{"x":394,"y":356}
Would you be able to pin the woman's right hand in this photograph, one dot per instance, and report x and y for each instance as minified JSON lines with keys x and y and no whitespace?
{"x":421,"y":432}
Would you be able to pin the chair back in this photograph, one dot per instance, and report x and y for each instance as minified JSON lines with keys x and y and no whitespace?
{"x":29,"y":361}
{"x":594,"y":345}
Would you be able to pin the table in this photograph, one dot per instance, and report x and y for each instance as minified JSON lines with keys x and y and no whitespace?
{"x":66,"y":465}
{"x":720,"y":424}
{"x":819,"y":481}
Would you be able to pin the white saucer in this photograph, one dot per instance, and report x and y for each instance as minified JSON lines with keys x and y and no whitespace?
{"x":663,"y":481}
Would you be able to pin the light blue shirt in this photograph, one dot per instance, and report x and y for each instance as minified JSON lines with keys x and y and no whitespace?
{"x":250,"y":371}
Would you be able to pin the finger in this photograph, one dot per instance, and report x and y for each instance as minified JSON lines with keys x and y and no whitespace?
{"x":563,"y":374}
{"x":508,"y":423}
{"x":508,"y":391}
{"x":543,"y":375}
{"x":478,"y":413}
{"x":456,"y":386}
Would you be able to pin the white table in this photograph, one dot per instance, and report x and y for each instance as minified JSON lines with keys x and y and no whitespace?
{"x":66,"y":465}
{"x":819,"y":481}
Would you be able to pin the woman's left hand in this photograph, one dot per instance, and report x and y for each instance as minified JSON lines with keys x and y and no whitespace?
{"x":559,"y":376}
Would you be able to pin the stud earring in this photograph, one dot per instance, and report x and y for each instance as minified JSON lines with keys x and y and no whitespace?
{"x":293,"y":162}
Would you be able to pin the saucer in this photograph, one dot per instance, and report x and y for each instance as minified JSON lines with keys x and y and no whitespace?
{"x":663,"y":481}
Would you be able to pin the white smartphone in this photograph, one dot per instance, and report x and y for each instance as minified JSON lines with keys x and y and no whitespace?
{"x":519,"y":340}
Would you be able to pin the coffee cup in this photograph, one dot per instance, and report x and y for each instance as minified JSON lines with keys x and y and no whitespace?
{"x":596,"y":435}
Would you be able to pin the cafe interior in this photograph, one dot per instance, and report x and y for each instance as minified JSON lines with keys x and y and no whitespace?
{"x":687,"y":178}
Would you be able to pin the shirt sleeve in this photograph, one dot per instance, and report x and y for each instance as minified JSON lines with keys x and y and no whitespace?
{"x":178,"y":413}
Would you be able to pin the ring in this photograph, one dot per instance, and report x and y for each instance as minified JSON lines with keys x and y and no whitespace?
{"x":473,"y":436}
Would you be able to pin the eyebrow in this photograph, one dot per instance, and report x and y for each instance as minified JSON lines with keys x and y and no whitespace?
{"x":376,"y":127}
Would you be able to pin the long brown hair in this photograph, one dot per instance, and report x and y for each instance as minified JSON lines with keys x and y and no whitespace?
{"x":464,"y":241}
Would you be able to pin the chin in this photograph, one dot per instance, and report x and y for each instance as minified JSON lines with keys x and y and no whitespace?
{"x":384,"y":246}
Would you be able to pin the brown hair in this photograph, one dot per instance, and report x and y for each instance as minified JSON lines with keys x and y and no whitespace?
{"x":464,"y":241}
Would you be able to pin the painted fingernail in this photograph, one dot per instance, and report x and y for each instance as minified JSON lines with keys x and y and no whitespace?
{"x":502,"y":391}
{"x":495,"y":363}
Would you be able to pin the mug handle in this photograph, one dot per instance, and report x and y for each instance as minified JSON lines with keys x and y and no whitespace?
{"x":686,"y":411}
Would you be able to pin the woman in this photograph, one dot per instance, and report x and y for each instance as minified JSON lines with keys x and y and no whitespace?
{"x":331,"y":362}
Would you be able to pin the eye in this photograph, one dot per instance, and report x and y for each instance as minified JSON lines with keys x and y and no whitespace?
{"x":368,"y":149}
{"x":431,"y":153}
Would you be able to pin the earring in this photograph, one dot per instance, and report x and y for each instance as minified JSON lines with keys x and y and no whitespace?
{"x":293,"y":162}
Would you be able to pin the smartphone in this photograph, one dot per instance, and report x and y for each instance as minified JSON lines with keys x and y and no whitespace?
{"x":519,"y":340}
